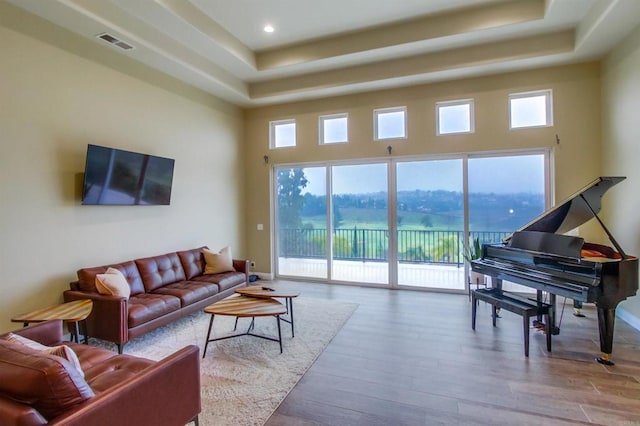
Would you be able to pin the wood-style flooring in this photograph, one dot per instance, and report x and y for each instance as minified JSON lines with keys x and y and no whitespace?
{"x":411,"y":358}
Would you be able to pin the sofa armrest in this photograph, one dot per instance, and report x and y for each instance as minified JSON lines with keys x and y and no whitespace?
{"x":166,"y":393}
{"x":108,"y":319}
{"x":48,"y":333}
{"x":15,"y":414}
{"x":242,"y":265}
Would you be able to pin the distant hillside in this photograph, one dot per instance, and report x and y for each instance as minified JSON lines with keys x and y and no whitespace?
{"x":435,"y":210}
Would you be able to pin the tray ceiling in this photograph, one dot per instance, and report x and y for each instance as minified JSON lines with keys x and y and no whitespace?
{"x":337,"y":47}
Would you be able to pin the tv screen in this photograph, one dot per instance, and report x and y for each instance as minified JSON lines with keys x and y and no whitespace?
{"x":117,"y":177}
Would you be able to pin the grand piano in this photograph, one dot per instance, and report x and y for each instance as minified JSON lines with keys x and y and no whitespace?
{"x":539,"y":256}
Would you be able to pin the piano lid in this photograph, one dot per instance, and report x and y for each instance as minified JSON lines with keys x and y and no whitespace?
{"x":573,"y":211}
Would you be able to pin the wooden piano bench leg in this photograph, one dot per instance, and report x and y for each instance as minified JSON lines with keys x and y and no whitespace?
{"x":474,"y":308}
{"x":494,"y":314}
{"x":525,"y":322}
{"x":548,"y":331}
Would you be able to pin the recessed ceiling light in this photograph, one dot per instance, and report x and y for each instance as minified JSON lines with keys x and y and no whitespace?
{"x":269,"y":28}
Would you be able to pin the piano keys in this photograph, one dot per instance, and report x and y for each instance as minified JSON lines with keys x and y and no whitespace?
{"x":539,"y":256}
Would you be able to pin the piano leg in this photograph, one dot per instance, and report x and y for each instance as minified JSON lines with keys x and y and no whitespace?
{"x":495,"y":311}
{"x":555,"y":330}
{"x":606,"y":321}
{"x":548,"y":333}
{"x":539,"y":300}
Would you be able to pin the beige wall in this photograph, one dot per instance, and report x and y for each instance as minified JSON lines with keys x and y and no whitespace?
{"x":576,"y":96}
{"x":621,"y":147}
{"x":52,"y":104}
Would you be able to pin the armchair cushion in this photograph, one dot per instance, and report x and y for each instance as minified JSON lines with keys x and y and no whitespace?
{"x":63,"y":351}
{"x":46,"y":382}
{"x":113,"y":371}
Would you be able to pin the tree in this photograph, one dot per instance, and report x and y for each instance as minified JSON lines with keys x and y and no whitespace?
{"x":446,"y":250}
{"x":337,"y":217}
{"x":291,"y":182}
{"x":426,"y":221}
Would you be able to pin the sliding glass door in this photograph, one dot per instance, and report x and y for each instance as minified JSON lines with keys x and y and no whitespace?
{"x":360,"y":232}
{"x":505,"y":193}
{"x":430,"y":223}
{"x":402,"y":223}
{"x":301,"y":221}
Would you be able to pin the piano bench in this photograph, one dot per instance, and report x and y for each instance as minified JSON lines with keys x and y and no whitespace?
{"x":526,"y":308}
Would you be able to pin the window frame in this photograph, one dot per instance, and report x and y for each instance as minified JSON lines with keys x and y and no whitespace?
{"x":321,"y":121}
{"x":456,"y":102}
{"x":272,"y":133}
{"x":548,"y":95}
{"x":378,"y":111}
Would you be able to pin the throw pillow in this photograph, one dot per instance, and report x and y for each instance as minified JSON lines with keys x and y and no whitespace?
{"x":63,"y":351}
{"x":218,"y":262}
{"x":113,"y":283}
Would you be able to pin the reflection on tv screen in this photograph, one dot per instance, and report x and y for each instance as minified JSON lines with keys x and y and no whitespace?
{"x":118,"y":177}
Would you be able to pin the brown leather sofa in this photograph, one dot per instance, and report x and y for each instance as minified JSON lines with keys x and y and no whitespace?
{"x":163,"y":289}
{"x":39,"y":389}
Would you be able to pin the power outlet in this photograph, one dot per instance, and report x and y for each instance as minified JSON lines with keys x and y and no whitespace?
{"x":253,"y":264}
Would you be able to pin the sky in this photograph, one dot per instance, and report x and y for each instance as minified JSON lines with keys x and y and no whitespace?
{"x":497,"y":174}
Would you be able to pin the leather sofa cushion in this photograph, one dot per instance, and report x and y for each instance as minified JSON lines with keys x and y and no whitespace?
{"x":113,"y":371}
{"x":87,"y":276}
{"x":46,"y":382}
{"x":148,"y":306}
{"x":161,"y":270}
{"x":189,"y":292}
{"x":224,"y":280}
{"x":192,"y":262}
{"x":90,"y":356}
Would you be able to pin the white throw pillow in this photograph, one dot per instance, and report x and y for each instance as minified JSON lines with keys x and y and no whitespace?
{"x":218,"y":262}
{"x":113,"y":283}
{"x":62,"y":351}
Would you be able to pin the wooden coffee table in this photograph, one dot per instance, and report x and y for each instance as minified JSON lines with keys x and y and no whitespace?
{"x":241,"y":307}
{"x":275,"y":292}
{"x":70,"y":312}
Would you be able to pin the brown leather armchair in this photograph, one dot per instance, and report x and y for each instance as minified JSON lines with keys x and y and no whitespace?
{"x":39,"y":389}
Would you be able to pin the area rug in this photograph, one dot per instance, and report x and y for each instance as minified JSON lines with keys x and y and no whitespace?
{"x":243,"y":380}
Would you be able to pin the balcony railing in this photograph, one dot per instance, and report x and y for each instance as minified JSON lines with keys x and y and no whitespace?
{"x":415,"y":246}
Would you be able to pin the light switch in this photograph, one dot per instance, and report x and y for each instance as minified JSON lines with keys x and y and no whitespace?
{"x":260,"y":227}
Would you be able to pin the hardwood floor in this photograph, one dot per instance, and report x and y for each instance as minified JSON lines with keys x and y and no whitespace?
{"x":411,"y":358}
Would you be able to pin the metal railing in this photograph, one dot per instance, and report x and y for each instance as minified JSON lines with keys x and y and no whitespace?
{"x":414,"y":246}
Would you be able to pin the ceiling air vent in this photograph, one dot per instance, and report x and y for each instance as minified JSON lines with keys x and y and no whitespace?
{"x":115,"y":41}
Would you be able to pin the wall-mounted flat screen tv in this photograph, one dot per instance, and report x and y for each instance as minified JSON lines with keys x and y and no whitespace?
{"x":117,"y":177}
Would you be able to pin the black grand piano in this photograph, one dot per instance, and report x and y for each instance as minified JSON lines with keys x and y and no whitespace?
{"x":539,"y":256}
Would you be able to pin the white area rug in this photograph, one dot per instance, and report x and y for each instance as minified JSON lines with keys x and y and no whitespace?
{"x":244,"y":379}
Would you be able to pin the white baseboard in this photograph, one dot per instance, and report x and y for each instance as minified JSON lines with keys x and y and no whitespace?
{"x":629,"y":318}
{"x":268,"y":276}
